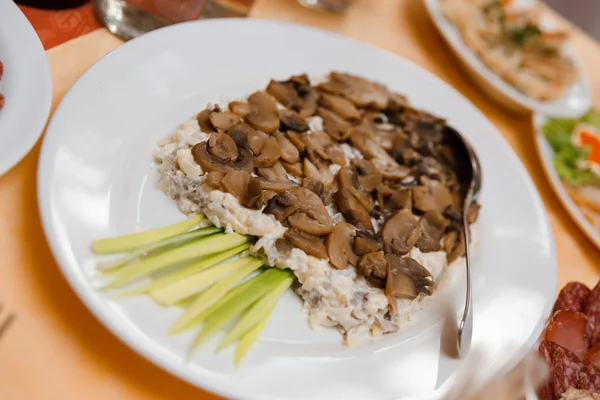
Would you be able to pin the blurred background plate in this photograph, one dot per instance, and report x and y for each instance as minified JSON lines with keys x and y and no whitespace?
{"x":26,"y":85}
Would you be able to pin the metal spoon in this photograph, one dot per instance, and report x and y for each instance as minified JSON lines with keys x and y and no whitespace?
{"x":468,"y":171}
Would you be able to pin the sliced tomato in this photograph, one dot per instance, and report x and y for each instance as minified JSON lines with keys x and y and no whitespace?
{"x":569,"y":330}
{"x":587,"y":136}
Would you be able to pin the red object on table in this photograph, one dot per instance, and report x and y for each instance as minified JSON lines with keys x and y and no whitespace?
{"x":56,"y":27}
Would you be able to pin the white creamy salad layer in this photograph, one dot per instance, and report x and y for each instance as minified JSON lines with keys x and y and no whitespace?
{"x":331,"y":297}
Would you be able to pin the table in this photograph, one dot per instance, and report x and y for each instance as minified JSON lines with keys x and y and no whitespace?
{"x":58,"y":350}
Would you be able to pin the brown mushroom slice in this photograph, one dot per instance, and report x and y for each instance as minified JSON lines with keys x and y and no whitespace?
{"x":224,"y":120}
{"x":244,"y":187}
{"x":275,"y":172}
{"x":239,"y":133}
{"x":406,"y":278}
{"x":314,"y":185}
{"x":341,"y":106}
{"x":311,"y":245}
{"x":400,"y":233}
{"x":256,"y":141}
{"x":296,"y":140}
{"x":282,"y":205}
{"x":454,"y":245}
{"x":373,"y":264}
{"x":203,"y":119}
{"x":335,"y":126}
{"x":353,"y":210}
{"x":306,"y":223}
{"x":264,"y":115}
{"x":473,"y":213}
{"x":310,"y":103}
{"x":366,"y":243}
{"x":278,"y":185}
{"x":290,"y":119}
{"x":340,"y":245}
{"x":269,"y":154}
{"x":293,"y":169}
{"x":222,"y":147}
{"x":310,"y":170}
{"x":435,"y":196}
{"x":285,"y":94}
{"x":433,"y":225}
{"x":347,"y":180}
{"x":361,"y":92}
{"x":268,"y":195}
{"x":321,"y":173}
{"x":289,"y":152}
{"x":254,"y":195}
{"x":336,"y":155}
{"x":367,"y":174}
{"x":401,"y":199}
{"x":213,"y":179}
{"x":209,"y":163}
{"x":240,"y":108}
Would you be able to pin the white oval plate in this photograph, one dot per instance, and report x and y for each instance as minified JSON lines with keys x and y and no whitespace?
{"x":546,"y":155}
{"x":26,"y":85}
{"x":573,"y":104}
{"x":96,"y":179}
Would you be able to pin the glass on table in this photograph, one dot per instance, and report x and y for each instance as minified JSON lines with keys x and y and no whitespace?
{"x":330,"y":5}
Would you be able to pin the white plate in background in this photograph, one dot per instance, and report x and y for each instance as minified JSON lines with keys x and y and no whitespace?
{"x":26,"y":85}
{"x":96,"y":179}
{"x":574,"y":103}
{"x":546,"y":155}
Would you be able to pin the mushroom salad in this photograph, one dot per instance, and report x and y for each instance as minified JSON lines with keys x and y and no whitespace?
{"x":341,"y":181}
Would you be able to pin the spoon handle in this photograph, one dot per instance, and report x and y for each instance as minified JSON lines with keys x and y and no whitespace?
{"x":465,"y":329}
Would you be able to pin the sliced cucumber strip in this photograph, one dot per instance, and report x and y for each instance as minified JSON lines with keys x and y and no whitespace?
{"x":188,"y":252}
{"x":249,"y":338}
{"x":258,"y":312}
{"x":135,"y":240}
{"x":112,"y":266}
{"x":217,"y":291}
{"x":189,"y":270}
{"x":265,"y":283}
{"x":196,"y":283}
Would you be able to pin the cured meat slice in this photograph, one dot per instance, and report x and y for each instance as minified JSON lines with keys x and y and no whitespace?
{"x":569,"y":329}
{"x":593,"y":356}
{"x":565,"y":371}
{"x":574,"y":296}
{"x":546,"y":352}
{"x":589,"y":379}
{"x":592,"y":310}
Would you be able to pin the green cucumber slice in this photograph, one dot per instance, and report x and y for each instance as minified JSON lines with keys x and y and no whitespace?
{"x":249,"y":338}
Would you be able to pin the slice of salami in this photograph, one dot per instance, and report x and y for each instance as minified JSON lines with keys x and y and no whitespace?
{"x":565,"y":371}
{"x":569,"y":329}
{"x":593,"y":355}
{"x":589,"y":379}
{"x":574,"y":296}
{"x":592,"y":310}
{"x":546,"y":351}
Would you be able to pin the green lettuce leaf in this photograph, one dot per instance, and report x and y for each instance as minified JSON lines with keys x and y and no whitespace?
{"x":566,"y":156}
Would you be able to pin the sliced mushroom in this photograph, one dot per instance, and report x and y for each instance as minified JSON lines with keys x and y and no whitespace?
{"x":290,"y":119}
{"x":359,"y":91}
{"x":366,"y":243}
{"x":433,"y":225}
{"x":285,"y":94}
{"x":400,"y":233}
{"x":336,"y":155}
{"x":298,"y":199}
{"x":347,"y":180}
{"x":272,"y":173}
{"x":239,"y":133}
{"x":264,"y":115}
{"x":244,"y":187}
{"x":209,"y":163}
{"x":268,"y":195}
{"x":311,"y":245}
{"x":454,"y":245}
{"x":305,"y":222}
{"x":224,"y":120}
{"x":367,"y":175}
{"x":310,"y":105}
{"x":434,"y":196}
{"x":254,"y":195}
{"x":256,"y":141}
{"x":289,"y":152}
{"x":401,"y":199}
{"x":213,"y":179}
{"x":204,"y":121}
{"x":316,"y":145}
{"x":340,"y":245}
{"x":293,"y":169}
{"x":296,"y":140}
{"x":278,"y":185}
{"x":314,"y":185}
{"x":373,"y":264}
{"x":282,"y":205}
{"x":406,"y":278}
{"x":380,"y":129}
{"x":339,"y":105}
{"x":473,"y":213}
{"x":335,"y":126}
{"x":353,"y":210}
{"x":222,"y":147}
{"x":269,"y":153}
{"x":240,"y":108}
